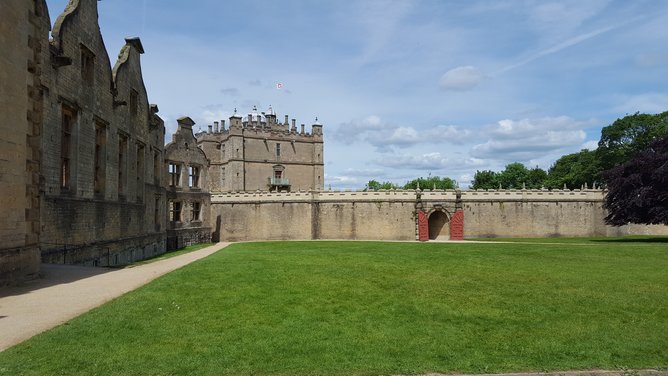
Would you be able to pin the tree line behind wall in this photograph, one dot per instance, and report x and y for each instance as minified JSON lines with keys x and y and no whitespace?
{"x":631,"y":161}
{"x":620,"y":142}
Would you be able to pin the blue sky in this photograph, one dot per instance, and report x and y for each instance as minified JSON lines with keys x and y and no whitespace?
{"x":405,"y":88}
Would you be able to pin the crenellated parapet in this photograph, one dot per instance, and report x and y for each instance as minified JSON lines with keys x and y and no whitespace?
{"x":262,"y":125}
{"x":450,"y":195}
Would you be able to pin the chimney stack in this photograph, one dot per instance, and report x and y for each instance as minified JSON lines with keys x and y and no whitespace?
{"x":286,"y":120}
{"x":302,"y":129}
{"x":210,"y":128}
{"x":222,"y":125}
{"x":215,"y":126}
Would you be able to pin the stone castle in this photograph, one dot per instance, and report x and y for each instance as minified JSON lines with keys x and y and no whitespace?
{"x":86,"y":177}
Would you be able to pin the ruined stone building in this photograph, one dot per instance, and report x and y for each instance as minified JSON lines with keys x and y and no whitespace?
{"x":21,"y":62}
{"x":188,"y":195}
{"x":83,"y":175}
{"x":259,"y":153}
{"x":102,"y":149}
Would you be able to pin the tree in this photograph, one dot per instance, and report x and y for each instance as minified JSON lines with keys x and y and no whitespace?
{"x":638,"y":189}
{"x":627,"y":136}
{"x":431,"y":182}
{"x":536,"y":178}
{"x":514,"y":176}
{"x":486,"y":179}
{"x":574,"y":170}
{"x":374,"y":185}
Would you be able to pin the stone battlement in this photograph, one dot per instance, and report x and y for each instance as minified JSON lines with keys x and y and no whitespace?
{"x":586,"y":195}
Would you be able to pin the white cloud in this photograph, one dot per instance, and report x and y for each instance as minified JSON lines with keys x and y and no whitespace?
{"x":365,"y":172}
{"x":433,"y":161}
{"x":530,"y":139}
{"x":355,"y":130}
{"x":461,"y":78}
{"x":590,"y":145}
{"x":378,"y":133}
{"x":341,"y":182}
{"x":647,"y":103}
{"x":210,"y":115}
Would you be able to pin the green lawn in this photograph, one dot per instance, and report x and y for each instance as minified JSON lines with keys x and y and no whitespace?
{"x":376,"y":308}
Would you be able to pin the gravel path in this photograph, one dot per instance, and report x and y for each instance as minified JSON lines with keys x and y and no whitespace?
{"x":67,"y":291}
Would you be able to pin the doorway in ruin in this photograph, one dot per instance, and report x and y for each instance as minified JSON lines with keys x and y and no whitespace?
{"x":438,"y":226}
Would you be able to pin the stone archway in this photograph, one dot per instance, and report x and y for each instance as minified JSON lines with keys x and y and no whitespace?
{"x":439,"y":228}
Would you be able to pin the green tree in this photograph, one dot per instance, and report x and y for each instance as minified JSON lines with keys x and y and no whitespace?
{"x":374,"y":185}
{"x":431,"y":182}
{"x":486,"y":179}
{"x":514,"y":176}
{"x":517,"y":176}
{"x":574,"y":170}
{"x":536,"y":178}
{"x":628,"y":136}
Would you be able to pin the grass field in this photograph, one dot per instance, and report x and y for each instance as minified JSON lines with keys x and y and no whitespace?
{"x":376,"y":308}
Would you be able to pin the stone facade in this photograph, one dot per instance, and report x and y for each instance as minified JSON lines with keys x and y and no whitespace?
{"x":23,"y":34}
{"x":257,"y":152}
{"x":189,"y":201}
{"x":86,"y":179}
{"x":393,"y":215}
{"x":103,"y":202}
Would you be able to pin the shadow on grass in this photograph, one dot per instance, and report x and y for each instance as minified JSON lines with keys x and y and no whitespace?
{"x":632,"y":240}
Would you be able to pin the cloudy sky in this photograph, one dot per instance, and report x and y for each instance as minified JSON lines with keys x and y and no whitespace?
{"x":405,"y":88}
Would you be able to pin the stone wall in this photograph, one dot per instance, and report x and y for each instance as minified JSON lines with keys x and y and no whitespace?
{"x":190,"y":194}
{"x":392,"y":215}
{"x":24,"y":28}
{"x":102,"y":148}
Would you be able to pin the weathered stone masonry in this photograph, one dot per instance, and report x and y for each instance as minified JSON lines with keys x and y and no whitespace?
{"x":189,"y":201}
{"x":393,"y":215}
{"x":81,"y":150}
{"x":23,"y":35}
{"x":102,"y":194}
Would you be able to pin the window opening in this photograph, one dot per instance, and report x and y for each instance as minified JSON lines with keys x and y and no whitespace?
{"x":193,"y":176}
{"x":196,"y":211}
{"x":100,"y":157}
{"x":174,"y":174}
{"x":67,"y":123}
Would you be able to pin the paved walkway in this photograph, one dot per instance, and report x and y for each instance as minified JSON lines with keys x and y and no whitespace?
{"x":67,"y":291}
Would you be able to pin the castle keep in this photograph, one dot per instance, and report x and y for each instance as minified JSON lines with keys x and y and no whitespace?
{"x":258,"y":153}
{"x":86,"y":177}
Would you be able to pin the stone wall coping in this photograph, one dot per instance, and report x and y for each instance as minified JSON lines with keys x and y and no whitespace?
{"x":412,"y":195}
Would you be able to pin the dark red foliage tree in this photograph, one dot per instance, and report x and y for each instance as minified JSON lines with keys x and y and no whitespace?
{"x":638,"y":189}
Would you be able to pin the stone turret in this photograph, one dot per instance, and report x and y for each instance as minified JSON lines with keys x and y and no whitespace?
{"x":235,"y":120}
{"x":316,"y":128}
